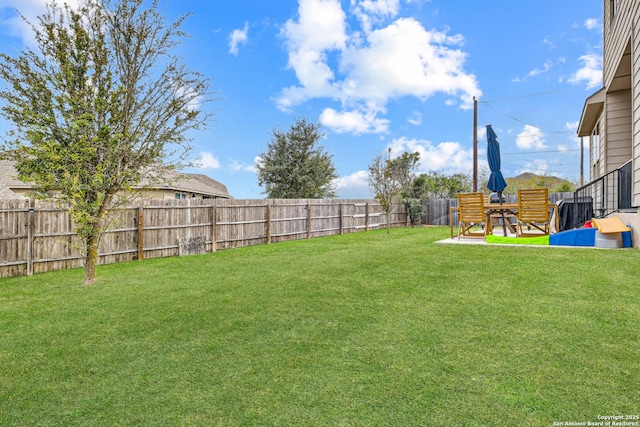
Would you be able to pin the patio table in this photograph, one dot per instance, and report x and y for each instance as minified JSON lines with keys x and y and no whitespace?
{"x":492,"y":210}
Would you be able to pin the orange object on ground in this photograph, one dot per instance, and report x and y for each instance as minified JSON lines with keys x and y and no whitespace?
{"x":609,"y":225}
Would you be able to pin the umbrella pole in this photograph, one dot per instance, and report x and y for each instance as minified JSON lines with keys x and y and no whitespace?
{"x":504,"y":225}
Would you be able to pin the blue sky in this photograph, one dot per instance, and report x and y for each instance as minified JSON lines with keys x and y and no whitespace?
{"x":385,"y":73}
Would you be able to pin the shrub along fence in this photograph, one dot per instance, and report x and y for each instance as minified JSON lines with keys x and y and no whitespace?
{"x":38,"y":236}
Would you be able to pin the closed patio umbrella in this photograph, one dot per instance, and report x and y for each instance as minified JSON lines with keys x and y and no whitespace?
{"x":496,"y":181}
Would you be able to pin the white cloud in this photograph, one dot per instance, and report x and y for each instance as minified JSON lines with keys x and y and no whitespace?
{"x":356,"y":181}
{"x":238,"y":37}
{"x":189,"y":96}
{"x":545,"y":68}
{"x":354,"y":186}
{"x":321,"y":29}
{"x":571,"y":128}
{"x":591,"y":71}
{"x":415,"y":118}
{"x":237,"y":166}
{"x":356,"y":122}
{"x":547,"y":41}
{"x":531,"y":138}
{"x":591,"y":23}
{"x":258,"y":161}
{"x":31,"y":10}
{"x":206,"y":161}
{"x":404,"y":59}
{"x":482,"y":132}
{"x":371,"y":12}
{"x":321,"y":26}
{"x":364,"y":70}
{"x":449,"y":157}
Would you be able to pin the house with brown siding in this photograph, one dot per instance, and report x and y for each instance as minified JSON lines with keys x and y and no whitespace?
{"x":611,"y":116}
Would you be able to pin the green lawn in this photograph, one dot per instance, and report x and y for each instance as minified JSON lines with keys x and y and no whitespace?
{"x":365,"y":329}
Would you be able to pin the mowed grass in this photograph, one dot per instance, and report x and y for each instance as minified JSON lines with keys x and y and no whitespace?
{"x":365,"y":329}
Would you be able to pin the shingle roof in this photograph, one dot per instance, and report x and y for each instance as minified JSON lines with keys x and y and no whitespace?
{"x":6,"y":194}
{"x":208,"y":181}
{"x":9,"y":175}
{"x":188,"y":182}
{"x":9,"y":180}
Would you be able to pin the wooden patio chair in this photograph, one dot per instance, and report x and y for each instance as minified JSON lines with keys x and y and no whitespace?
{"x":533,"y":212}
{"x":471,"y":215}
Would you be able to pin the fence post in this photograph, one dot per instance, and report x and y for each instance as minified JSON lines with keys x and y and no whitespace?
{"x":30,"y":232}
{"x":268,"y":225}
{"x":425,"y":216}
{"x":366,"y":216}
{"x":340,"y":224}
{"x":308,"y":219}
{"x":140,"y":233}
{"x":214,"y":221}
{"x":406,"y":215}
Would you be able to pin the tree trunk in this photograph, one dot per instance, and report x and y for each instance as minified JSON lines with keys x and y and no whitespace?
{"x":93,"y":239}
{"x":91,"y":261}
{"x":388,"y":221}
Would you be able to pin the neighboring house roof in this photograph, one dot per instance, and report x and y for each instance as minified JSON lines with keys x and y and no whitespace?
{"x":191,"y":183}
{"x":188,"y":183}
{"x":210,"y":182}
{"x":6,"y":194}
{"x":9,"y":179}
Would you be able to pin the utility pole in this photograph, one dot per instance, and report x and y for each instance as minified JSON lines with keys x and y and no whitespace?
{"x":475,"y":144}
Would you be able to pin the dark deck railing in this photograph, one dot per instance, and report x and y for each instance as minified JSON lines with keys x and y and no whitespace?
{"x":603,"y":196}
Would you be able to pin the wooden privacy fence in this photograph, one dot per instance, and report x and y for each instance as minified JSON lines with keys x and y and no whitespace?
{"x":38,"y":236}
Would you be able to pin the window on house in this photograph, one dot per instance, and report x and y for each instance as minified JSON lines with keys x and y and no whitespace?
{"x":612,"y":9}
{"x":180,"y":196}
{"x":595,"y":144}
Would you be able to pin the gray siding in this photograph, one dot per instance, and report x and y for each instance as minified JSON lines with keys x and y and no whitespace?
{"x":620,"y":32}
{"x":617,"y":32}
{"x":618,"y":144}
{"x":635,"y":83}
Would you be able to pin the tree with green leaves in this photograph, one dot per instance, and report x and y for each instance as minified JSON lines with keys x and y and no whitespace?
{"x":295,"y":166}
{"x":435,"y":185}
{"x":564,"y":187}
{"x":391,"y":180}
{"x":100,"y":102}
{"x":384,"y":185}
{"x":405,"y":166}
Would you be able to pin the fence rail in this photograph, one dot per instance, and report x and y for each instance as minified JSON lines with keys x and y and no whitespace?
{"x":609,"y":193}
{"x":38,"y":236}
